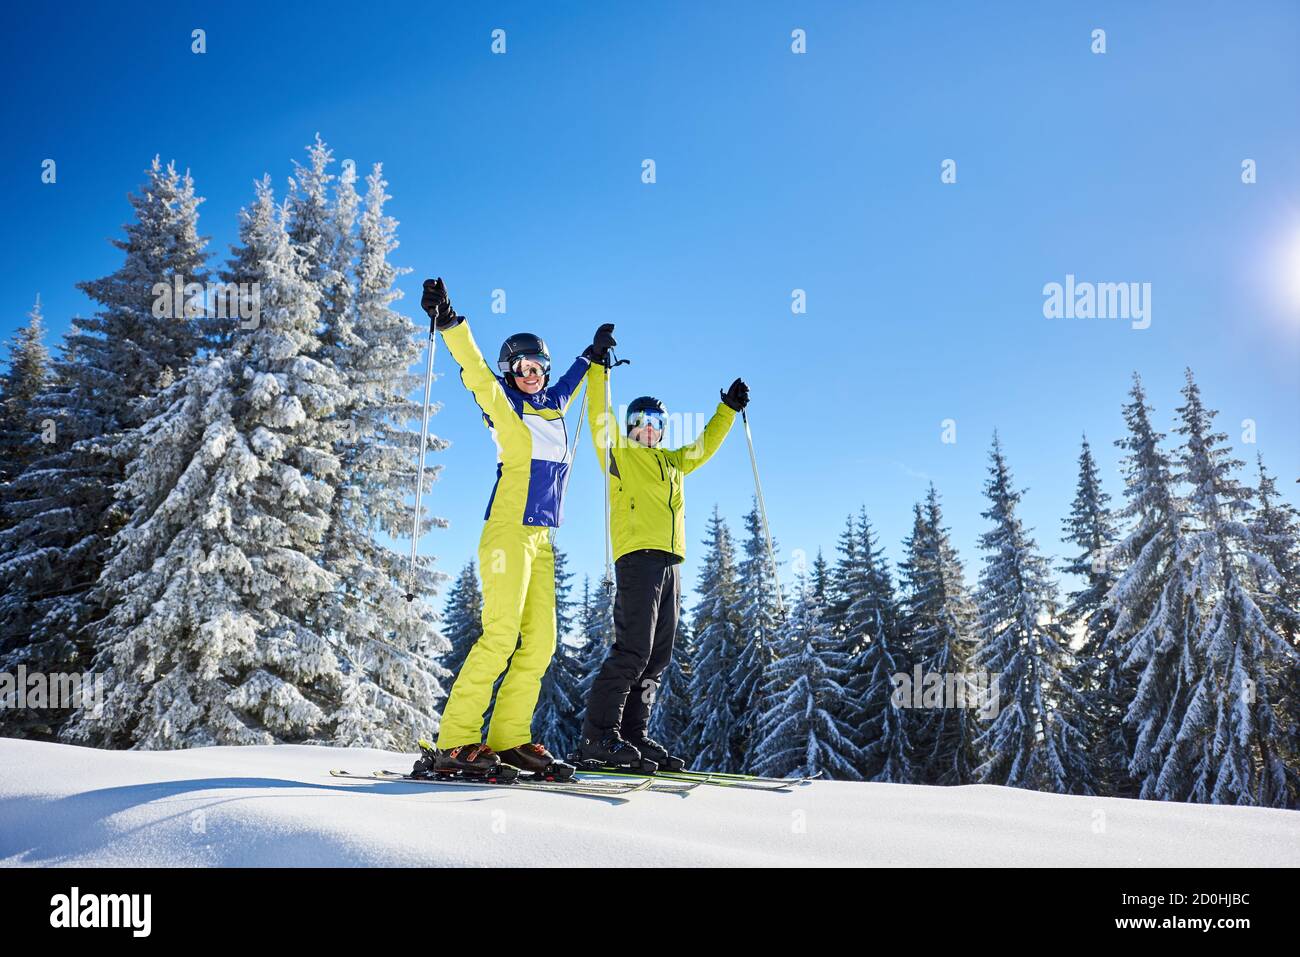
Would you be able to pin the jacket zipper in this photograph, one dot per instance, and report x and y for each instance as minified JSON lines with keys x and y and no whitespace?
{"x":672,"y":540}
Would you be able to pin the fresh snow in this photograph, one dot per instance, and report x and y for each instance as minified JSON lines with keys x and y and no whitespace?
{"x":276,"y":805}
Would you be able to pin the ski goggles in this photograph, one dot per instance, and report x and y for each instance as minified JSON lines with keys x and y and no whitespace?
{"x":526,"y":366}
{"x":651,"y":418}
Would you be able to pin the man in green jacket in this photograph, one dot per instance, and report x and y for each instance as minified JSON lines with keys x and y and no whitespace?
{"x":648,"y":529}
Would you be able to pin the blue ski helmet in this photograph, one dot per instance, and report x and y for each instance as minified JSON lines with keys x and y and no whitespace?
{"x":645,"y":403}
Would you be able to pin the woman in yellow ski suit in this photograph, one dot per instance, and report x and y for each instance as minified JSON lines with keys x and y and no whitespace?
{"x":515,"y":557}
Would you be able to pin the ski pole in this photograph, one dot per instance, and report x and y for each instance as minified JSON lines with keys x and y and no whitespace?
{"x":609,"y":421}
{"x":608,"y":580}
{"x":762,"y":513}
{"x":573,"y":447}
{"x":424,"y":440}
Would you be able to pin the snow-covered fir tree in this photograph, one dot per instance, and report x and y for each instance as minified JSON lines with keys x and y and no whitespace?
{"x":758,"y":614}
{"x":1155,"y":614}
{"x":842,"y":583}
{"x":844,"y":580}
{"x":717,"y":727}
{"x":240,"y":278}
{"x":127,"y":348}
{"x":313,"y":223}
{"x":61,"y":509}
{"x":1275,"y":534}
{"x":1030,"y":742}
{"x":209,"y":638}
{"x":940,"y":618}
{"x":555,"y":721}
{"x":23,"y":380}
{"x":371,"y":347}
{"x":671,"y":718}
{"x":1091,"y":527}
{"x":594,"y":638}
{"x":1226,"y":748}
{"x":798,"y":732}
{"x":876,"y":649}
{"x":462,"y":618}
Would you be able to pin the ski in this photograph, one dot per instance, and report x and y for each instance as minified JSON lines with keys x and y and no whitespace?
{"x":590,"y":788}
{"x":717,"y":779}
{"x":528,"y":783}
{"x":757,"y":777}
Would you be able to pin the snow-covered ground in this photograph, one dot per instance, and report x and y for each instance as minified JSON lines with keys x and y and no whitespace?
{"x":61,"y":805}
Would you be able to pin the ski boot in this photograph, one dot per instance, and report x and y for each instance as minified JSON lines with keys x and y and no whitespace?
{"x":534,"y":759}
{"x":611,"y":752}
{"x":654,"y":751}
{"x":467,"y":760}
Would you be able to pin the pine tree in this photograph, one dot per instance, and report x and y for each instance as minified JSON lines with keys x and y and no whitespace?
{"x":210,"y":588}
{"x":671,"y":718}
{"x":1226,"y":751}
{"x":61,"y":510}
{"x":877,"y":649}
{"x":1275,"y":533}
{"x":313,"y":223}
{"x":798,"y":731}
{"x":1030,"y":742}
{"x":821,"y":582}
{"x":844,"y":581}
{"x":757,"y":612}
{"x":241,"y":278}
{"x":556,"y":718}
{"x":462,"y":618}
{"x":1091,"y":526}
{"x":371,"y":347}
{"x":127,"y":350}
{"x":717,"y":727}
{"x":941,"y":619}
{"x":1155,"y":614}
{"x":595,"y":638}
{"x":20,"y":385}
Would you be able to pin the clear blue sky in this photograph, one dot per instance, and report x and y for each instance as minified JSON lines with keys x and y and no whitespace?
{"x":775,"y":172}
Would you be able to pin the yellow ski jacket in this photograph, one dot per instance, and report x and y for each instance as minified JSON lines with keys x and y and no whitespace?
{"x":647,"y":504}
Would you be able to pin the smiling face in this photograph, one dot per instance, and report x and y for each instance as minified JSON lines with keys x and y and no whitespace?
{"x":529,"y":376}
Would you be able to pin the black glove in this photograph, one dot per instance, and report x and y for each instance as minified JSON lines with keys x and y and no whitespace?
{"x":437,"y":305}
{"x":737,"y":396}
{"x":601,"y":343}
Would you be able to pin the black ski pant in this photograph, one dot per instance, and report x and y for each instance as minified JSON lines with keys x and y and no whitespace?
{"x":646,"y":607}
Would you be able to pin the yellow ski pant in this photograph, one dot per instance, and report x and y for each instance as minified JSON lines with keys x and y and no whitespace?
{"x":517,"y":566}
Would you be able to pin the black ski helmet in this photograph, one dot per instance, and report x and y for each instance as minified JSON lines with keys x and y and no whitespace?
{"x":519,"y":345}
{"x":645,"y":403}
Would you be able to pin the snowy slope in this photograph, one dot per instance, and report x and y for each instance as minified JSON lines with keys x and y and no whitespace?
{"x":61,"y":805}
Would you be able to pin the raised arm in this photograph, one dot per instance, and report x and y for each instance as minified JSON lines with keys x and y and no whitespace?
{"x":597,"y":416}
{"x":566,"y":387}
{"x":474,"y":370}
{"x":690,"y":457}
{"x":477,"y":374}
